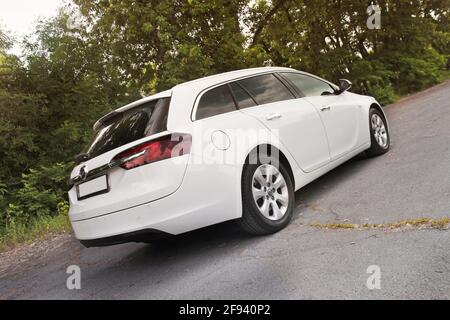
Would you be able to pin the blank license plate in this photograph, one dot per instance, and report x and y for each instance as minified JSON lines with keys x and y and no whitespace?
{"x":92,"y":187}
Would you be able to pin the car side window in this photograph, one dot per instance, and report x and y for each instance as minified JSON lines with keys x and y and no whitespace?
{"x":309,"y":86}
{"x":266,"y":89}
{"x":242,"y":98}
{"x":214,"y":102}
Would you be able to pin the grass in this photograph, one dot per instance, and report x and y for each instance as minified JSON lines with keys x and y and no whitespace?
{"x":334,"y":225}
{"x":42,"y":228}
{"x":46,"y":227}
{"x":445,"y":75}
{"x":426,"y":223}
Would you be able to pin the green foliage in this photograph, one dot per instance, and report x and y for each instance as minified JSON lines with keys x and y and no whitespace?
{"x":162,"y":43}
{"x":330,"y":38}
{"x":3,"y":194}
{"x":39,"y":195}
{"x":22,"y":120}
{"x":415,"y":73}
{"x":371,"y":77}
{"x":18,"y":232}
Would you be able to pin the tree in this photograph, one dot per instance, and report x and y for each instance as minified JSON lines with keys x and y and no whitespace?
{"x":158,"y":44}
{"x":48,"y":104}
{"x":330,"y":38}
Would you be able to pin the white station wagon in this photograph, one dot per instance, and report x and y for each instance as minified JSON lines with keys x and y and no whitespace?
{"x":229,"y":146}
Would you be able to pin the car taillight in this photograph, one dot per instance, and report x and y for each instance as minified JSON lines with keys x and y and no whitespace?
{"x":170,"y":146}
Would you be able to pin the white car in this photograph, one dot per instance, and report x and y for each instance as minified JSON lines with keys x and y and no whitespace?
{"x":229,"y":146}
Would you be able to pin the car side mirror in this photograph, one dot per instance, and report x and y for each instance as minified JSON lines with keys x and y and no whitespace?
{"x":344,"y":85}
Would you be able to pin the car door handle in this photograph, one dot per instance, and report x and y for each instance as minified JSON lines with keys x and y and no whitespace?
{"x":325,"y":108}
{"x":273,"y":116}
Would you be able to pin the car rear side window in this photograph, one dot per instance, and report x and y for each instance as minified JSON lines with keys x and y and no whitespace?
{"x":266,"y":89}
{"x":214,"y":102}
{"x":242,"y":98}
{"x":309,"y":86}
{"x":131,"y":125}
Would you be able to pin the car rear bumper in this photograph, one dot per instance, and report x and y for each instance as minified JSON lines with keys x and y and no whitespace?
{"x":146,"y":235}
{"x":199,"y":202}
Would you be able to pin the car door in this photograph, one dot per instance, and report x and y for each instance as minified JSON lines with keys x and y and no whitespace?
{"x":340,"y":115}
{"x":295,"y":122}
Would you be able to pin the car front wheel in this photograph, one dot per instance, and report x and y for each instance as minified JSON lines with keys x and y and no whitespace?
{"x":379,"y":134}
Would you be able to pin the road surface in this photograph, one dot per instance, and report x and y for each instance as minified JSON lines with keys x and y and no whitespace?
{"x":302,"y":261}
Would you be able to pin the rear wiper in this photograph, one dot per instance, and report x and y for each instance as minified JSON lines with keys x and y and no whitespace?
{"x":82,"y":157}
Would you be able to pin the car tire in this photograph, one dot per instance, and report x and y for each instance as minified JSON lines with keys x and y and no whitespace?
{"x":379,"y":134}
{"x":253,"y":221}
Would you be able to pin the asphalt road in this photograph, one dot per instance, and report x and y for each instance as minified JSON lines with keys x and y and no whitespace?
{"x":300,"y":262}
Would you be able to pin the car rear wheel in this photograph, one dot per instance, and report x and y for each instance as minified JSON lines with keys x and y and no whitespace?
{"x":379,"y":134}
{"x":268,"y":197}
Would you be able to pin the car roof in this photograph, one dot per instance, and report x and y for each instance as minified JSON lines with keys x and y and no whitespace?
{"x":228,"y":76}
{"x":194,"y":86}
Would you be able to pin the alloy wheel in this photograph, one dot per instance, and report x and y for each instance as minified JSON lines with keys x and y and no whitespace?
{"x":379,"y":131}
{"x":270,"y":192}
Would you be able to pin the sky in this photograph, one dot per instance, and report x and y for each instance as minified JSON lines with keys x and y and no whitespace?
{"x":18,"y":17}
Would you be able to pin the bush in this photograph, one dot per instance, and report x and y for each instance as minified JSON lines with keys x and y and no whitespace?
{"x":40,"y":195}
{"x":17,"y":232}
{"x":416,"y":72}
{"x":383,"y":94}
{"x":37,"y":208}
{"x":372,"y":77}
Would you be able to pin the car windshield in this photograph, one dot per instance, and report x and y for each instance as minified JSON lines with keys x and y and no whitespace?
{"x":125,"y":127}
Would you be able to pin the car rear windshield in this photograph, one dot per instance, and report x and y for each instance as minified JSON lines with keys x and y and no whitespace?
{"x":131,"y":125}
